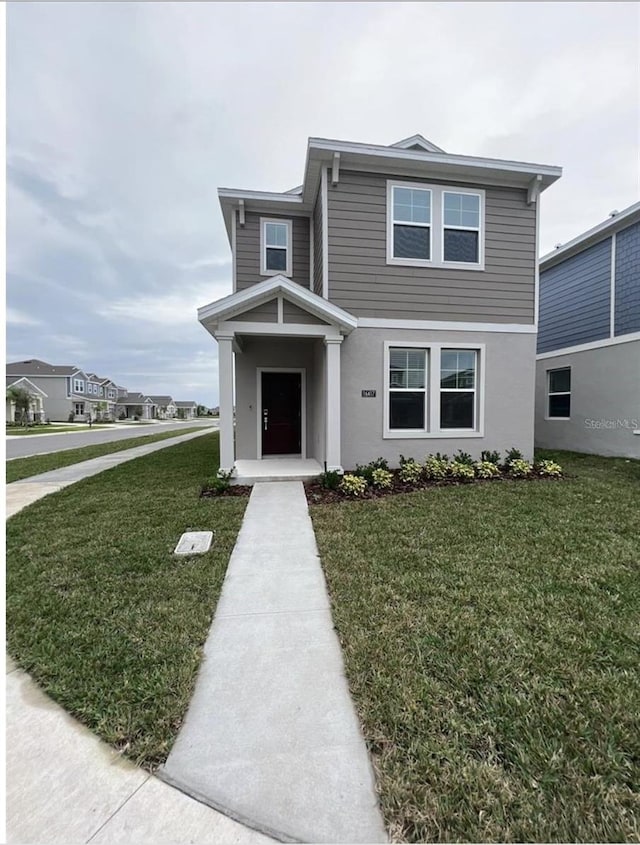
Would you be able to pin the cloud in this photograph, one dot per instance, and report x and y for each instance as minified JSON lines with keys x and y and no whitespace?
{"x":20,"y":318}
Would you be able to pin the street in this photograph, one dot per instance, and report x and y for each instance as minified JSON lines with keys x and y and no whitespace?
{"x":38,"y":444}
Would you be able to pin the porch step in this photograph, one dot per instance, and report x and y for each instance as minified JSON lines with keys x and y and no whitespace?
{"x":276,"y":469}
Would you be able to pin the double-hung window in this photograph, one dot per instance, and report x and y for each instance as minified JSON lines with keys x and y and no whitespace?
{"x":407,"y":388}
{"x":435,"y":226}
{"x":78,"y":385}
{"x":559,"y":390}
{"x":458,"y":388}
{"x":275,"y":247}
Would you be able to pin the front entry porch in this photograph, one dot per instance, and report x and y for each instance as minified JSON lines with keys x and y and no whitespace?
{"x":275,"y":469}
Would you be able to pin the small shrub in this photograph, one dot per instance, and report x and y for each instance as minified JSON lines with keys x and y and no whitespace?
{"x":440,"y":457}
{"x":519,"y":468}
{"x":487,"y":469}
{"x":512,"y":455}
{"x":382,"y":478}
{"x":122,"y":415}
{"x":463,"y":458}
{"x":353,"y":485}
{"x":410,"y":470}
{"x":330,"y":480}
{"x":435,"y":468}
{"x":71,"y":417}
{"x":366,"y":470}
{"x":461,"y":471}
{"x":549,"y":469}
{"x":217,"y":485}
{"x":487,"y":456}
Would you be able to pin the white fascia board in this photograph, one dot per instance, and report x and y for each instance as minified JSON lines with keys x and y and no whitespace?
{"x":585,"y":347}
{"x":445,"y":159}
{"x":421,"y":141}
{"x":259,"y":196}
{"x":591,"y":236}
{"x":445,"y":326}
{"x":256,"y":294}
{"x":28,"y":381}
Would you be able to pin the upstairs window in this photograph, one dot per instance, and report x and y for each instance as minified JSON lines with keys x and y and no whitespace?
{"x":411,"y":220}
{"x":78,"y":385}
{"x":433,"y":226}
{"x":461,"y":230}
{"x":275,"y":247}
{"x":559,"y":384}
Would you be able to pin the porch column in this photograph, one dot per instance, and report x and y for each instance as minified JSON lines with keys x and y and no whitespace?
{"x":225,"y":381}
{"x":332,"y":454}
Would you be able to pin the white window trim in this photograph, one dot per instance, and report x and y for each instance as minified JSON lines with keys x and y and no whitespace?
{"x":556,"y":393}
{"x":78,"y":385}
{"x":432,"y":418}
{"x":75,"y":409}
{"x":414,"y":432}
{"x":263,"y":247}
{"x":303,"y":407}
{"x":437,"y":226}
{"x":473,"y":389}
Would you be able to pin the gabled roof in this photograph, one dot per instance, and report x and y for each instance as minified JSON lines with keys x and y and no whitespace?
{"x":243,"y":300}
{"x":616,"y":221}
{"x":186,"y":404}
{"x":24,"y":382}
{"x":417,"y":142}
{"x":35,"y":367}
{"x":161,"y":400}
{"x":134,"y":399}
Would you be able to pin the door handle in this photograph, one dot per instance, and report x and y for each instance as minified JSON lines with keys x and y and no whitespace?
{"x":265,"y":418}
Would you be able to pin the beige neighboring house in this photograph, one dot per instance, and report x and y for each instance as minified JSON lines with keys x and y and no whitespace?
{"x":36,"y":411}
{"x":386,"y":306}
{"x":187,"y":410}
{"x":165,"y":407}
{"x":134,"y":405}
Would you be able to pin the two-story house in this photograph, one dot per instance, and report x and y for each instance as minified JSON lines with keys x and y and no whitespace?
{"x":385,"y":306}
{"x":588,"y":371}
{"x":65,"y":387}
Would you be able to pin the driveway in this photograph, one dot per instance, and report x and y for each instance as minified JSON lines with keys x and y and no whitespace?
{"x":40,"y":444}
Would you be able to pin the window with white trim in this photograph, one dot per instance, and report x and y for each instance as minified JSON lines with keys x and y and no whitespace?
{"x":411,"y":221}
{"x":435,"y":226}
{"x":78,"y":385}
{"x":559,"y":392}
{"x":112,"y":394}
{"x":275,"y":246}
{"x":79,"y":409}
{"x":407,"y":388}
{"x":458,"y":389}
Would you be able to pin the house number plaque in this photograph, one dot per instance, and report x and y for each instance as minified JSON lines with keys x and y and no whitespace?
{"x":368,"y":394}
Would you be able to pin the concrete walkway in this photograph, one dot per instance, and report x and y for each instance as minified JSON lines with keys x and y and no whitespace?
{"x":66,"y":786}
{"x":19,"y":494}
{"x":271,"y":736}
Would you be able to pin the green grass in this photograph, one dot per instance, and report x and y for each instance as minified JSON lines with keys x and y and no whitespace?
{"x":48,"y":429}
{"x":101,"y":613}
{"x":492,"y":646}
{"x":19,"y":468}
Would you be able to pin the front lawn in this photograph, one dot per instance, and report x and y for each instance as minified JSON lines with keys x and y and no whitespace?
{"x":491,"y":640}
{"x":101,"y":613}
{"x":14,"y":431}
{"x":19,"y":468}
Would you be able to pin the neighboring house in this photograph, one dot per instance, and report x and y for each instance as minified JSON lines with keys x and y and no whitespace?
{"x":134,"y":405}
{"x":186,"y":410}
{"x":588,"y":369}
{"x":385,"y":306}
{"x":64,"y":386}
{"x":165,"y":407}
{"x":37,"y":396}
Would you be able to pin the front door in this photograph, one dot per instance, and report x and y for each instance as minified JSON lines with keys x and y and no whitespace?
{"x":281,"y":413}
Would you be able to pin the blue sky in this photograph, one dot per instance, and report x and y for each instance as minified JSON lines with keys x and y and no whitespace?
{"x":124,"y":118}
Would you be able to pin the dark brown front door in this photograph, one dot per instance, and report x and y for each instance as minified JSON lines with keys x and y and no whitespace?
{"x":281,"y":413}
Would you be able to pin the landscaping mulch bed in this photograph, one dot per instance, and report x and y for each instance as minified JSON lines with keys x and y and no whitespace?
{"x":235,"y":490}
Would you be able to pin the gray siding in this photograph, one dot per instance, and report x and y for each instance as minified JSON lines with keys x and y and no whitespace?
{"x":362,"y":282}
{"x":575,"y":299}
{"x":317,"y":245}
{"x":266,"y":313}
{"x":248,"y":250}
{"x":605,"y":402}
{"x":627,"y":304}
{"x":293,"y":314}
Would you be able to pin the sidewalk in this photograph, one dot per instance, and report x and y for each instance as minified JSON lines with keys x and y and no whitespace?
{"x":66,"y":786}
{"x":19,"y":494}
{"x":271,"y":736}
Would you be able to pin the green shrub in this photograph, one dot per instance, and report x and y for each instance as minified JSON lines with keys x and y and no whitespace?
{"x":461,"y":471}
{"x":463,"y":458}
{"x":486,"y":469}
{"x":435,"y":468}
{"x":353,"y":485}
{"x":519,"y":468}
{"x":366,"y":470}
{"x":548,"y":468}
{"x":490,"y":457}
{"x":217,"y":484}
{"x":330,"y":479}
{"x":382,"y":478}
{"x":410,"y":470}
{"x":512,"y":455}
